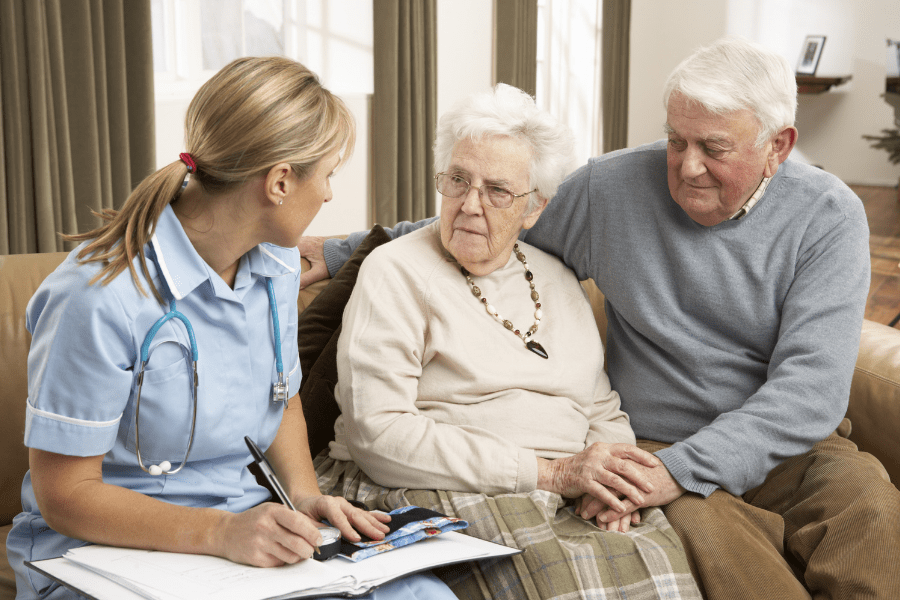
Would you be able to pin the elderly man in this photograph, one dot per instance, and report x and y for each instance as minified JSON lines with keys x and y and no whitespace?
{"x":735,"y":283}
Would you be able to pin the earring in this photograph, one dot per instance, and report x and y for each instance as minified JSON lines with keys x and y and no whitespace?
{"x":280,"y":202}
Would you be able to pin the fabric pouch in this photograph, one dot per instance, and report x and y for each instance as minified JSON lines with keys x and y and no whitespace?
{"x":408,"y":525}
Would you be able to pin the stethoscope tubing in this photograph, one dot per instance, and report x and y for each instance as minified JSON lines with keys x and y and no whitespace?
{"x":279,"y":393}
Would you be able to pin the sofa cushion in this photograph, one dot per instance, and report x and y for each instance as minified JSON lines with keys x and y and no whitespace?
{"x":318,"y":329}
{"x":874,"y":407}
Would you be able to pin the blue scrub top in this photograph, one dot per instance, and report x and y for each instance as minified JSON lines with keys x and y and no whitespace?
{"x":85,"y":354}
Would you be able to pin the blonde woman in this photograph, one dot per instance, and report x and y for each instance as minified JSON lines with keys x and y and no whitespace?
{"x":170,"y":334}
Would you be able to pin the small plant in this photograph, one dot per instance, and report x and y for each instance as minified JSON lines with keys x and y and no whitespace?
{"x":890,"y":142}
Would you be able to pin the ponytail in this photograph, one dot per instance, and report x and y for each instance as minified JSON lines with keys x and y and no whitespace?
{"x":125,"y":232}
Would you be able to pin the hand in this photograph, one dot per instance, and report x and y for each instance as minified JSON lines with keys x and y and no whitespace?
{"x":603,"y":470}
{"x":312,"y":249}
{"x":666,"y":489}
{"x":345,"y":516}
{"x":623,"y":525}
{"x":268,"y":535}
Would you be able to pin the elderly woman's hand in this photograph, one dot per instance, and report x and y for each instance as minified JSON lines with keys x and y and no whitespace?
{"x":346,"y":517}
{"x":600,"y":470}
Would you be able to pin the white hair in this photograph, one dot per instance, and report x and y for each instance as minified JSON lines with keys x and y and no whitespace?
{"x":508,"y":111}
{"x":735,"y":74}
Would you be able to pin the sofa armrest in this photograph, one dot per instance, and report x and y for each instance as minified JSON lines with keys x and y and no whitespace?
{"x":874,"y":407}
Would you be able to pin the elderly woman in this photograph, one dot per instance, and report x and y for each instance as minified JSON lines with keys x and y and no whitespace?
{"x":471,"y":379}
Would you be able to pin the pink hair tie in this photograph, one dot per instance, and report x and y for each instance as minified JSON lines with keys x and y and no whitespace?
{"x":187,"y":160}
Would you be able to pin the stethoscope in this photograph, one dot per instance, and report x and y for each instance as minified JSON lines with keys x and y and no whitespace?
{"x":279,"y":389}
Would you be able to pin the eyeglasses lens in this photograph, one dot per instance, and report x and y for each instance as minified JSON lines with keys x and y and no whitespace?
{"x":454,"y":186}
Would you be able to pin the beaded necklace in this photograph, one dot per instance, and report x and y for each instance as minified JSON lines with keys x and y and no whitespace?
{"x":538,"y":313}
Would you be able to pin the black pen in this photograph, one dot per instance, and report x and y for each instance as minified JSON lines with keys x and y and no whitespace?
{"x":331,"y":536}
{"x":266,"y":468}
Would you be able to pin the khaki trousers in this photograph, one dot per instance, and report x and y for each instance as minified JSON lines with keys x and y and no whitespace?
{"x":824,"y":524}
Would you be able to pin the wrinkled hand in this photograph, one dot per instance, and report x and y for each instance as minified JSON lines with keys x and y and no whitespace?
{"x":605,"y":471}
{"x":267,"y":535}
{"x":665,"y":489}
{"x":312,"y":248}
{"x":346,"y":517}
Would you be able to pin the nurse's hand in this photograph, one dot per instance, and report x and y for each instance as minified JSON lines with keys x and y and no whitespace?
{"x":268,"y":535}
{"x":346,"y":517}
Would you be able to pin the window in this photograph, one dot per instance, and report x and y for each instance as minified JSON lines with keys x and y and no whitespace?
{"x":568,"y":69}
{"x":192,"y":39}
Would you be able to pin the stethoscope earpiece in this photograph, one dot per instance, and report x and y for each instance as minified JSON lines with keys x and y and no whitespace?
{"x":163,"y":467}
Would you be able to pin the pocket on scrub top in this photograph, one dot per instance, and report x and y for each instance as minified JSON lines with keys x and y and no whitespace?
{"x":166,"y":407}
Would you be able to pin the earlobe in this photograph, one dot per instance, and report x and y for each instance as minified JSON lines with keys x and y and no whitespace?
{"x":277,"y":184}
{"x":782,"y":144}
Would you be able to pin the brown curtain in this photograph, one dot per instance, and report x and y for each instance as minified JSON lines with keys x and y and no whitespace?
{"x":404,"y":110}
{"x":515,"y":43}
{"x":614,"y":77}
{"x":77,"y":115}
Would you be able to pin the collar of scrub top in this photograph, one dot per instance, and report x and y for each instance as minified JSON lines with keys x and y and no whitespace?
{"x":183,"y":270}
{"x":186,"y":265}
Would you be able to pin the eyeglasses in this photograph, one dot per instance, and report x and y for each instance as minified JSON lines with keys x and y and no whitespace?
{"x":456,"y":186}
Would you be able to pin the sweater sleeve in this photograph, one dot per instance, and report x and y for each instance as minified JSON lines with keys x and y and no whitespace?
{"x":564,"y":229}
{"x":338,"y":251}
{"x":381,"y":354}
{"x":807,"y":385}
{"x":608,"y":422}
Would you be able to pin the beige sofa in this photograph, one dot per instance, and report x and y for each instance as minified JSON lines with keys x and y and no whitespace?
{"x":874,"y":397}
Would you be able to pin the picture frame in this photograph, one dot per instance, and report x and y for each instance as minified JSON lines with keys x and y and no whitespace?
{"x":810,"y":53}
{"x":893,"y":58}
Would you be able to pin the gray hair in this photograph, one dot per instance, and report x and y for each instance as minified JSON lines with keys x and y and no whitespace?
{"x":735,"y":74}
{"x":508,"y":111}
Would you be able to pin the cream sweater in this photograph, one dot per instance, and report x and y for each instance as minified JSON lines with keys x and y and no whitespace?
{"x":436,"y":394}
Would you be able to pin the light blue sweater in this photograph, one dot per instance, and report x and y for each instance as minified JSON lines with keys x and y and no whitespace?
{"x":736,"y":343}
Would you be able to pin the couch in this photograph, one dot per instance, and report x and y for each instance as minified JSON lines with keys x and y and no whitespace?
{"x":874,"y":397}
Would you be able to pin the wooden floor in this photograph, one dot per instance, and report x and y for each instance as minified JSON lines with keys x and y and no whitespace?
{"x":883,"y":210}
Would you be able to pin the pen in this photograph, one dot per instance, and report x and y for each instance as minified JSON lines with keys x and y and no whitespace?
{"x":331,"y":536}
{"x":266,"y":468}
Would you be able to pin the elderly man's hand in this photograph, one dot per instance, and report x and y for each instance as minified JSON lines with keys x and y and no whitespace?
{"x":665,"y":490}
{"x":313,"y":249}
{"x":605,"y":471}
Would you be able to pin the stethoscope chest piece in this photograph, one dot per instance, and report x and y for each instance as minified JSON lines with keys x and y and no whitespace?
{"x":331,"y":543}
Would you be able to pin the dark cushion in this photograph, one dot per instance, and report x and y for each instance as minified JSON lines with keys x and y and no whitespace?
{"x":319,"y":327}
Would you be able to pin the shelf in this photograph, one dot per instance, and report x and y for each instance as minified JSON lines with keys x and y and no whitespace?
{"x":808,"y":84}
{"x":892,"y":85}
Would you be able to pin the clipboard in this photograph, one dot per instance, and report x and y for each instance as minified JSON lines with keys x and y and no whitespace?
{"x":446,"y":549}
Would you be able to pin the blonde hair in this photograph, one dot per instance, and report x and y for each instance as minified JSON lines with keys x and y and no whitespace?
{"x":252,"y":115}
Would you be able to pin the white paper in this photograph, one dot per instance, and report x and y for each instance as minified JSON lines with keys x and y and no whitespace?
{"x":171,"y":576}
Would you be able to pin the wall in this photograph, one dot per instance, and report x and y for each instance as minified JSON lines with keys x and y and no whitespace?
{"x":465,"y":29}
{"x":663,"y":33}
{"x":831,"y":125}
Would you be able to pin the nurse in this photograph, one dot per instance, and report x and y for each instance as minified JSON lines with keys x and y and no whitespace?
{"x":263,"y":139}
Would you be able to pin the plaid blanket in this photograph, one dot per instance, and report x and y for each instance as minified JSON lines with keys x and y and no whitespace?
{"x":565,"y":558}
